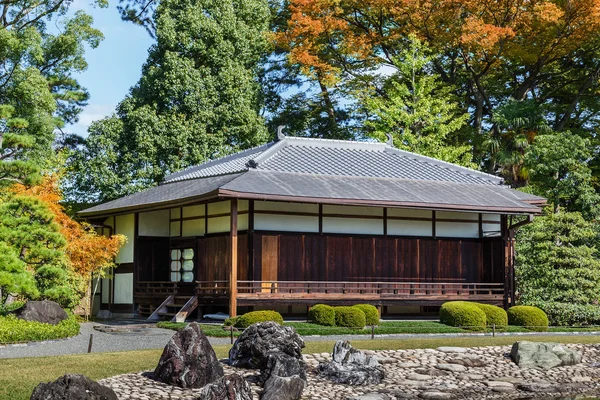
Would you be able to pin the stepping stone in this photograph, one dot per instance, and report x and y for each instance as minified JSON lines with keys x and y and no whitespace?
{"x":371,"y":396}
{"x":538,"y":387}
{"x":494,"y":384}
{"x":418,"y":377}
{"x":436,"y":395}
{"x":452,"y":367}
{"x":450,"y":349}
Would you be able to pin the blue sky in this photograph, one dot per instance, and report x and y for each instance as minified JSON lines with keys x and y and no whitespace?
{"x":114,"y":66}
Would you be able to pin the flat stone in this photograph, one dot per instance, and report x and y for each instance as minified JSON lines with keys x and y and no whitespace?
{"x":436,"y":395}
{"x":450,"y":349}
{"x":371,"y":396}
{"x":452,"y":367}
{"x":494,"y":384}
{"x":538,"y":387}
{"x":408,"y":382}
{"x":581,"y":379}
{"x":503,"y":389}
{"x":468,"y":362}
{"x":472,"y":377}
{"x":418,"y":377}
{"x":409,"y":364}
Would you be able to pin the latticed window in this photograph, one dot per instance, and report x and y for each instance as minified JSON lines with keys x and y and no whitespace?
{"x":182,"y":265}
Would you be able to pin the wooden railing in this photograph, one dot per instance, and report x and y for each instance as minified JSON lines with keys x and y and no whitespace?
{"x":316,"y":289}
{"x":382,"y":289}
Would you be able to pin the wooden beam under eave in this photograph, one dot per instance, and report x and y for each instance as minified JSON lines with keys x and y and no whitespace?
{"x":233,"y":249}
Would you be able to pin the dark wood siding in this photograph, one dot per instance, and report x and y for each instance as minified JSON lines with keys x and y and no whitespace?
{"x":312,"y":257}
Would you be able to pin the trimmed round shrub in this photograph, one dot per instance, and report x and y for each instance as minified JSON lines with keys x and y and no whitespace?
{"x":371,"y":313}
{"x":350,"y":317}
{"x":322,"y":314}
{"x":253,"y":317}
{"x":493,"y":315}
{"x":462,"y":314}
{"x":231,"y":321}
{"x":529,"y":317}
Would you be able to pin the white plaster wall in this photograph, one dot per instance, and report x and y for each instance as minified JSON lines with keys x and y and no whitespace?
{"x":154,"y":223}
{"x":125,"y":225}
{"x":353,"y":225}
{"x":219,"y":224}
{"x":353,"y":210}
{"x":283,"y":206}
{"x":193,"y":211}
{"x":287,"y":223}
{"x":492,"y":230}
{"x":193,"y":227}
{"x":105,"y":290}
{"x":457,"y":215}
{"x":175,"y":213}
{"x":174,"y":229}
{"x":242,"y":222}
{"x":123,"y":288}
{"x":409,"y":228}
{"x":219,"y":207}
{"x":457,"y":229}
{"x":408,"y":212}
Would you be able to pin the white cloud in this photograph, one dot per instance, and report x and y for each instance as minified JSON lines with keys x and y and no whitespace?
{"x":91,"y":113}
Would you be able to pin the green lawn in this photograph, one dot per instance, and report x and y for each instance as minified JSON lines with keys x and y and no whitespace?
{"x":19,"y":376}
{"x":386,"y":327}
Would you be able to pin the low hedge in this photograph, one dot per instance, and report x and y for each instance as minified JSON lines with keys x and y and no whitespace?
{"x":529,"y":317}
{"x":253,"y":317}
{"x":463,"y":314}
{"x":371,"y":313}
{"x":322,"y":314}
{"x":570,"y":314}
{"x":494,"y":315}
{"x":15,"y":330}
{"x":350,"y":317}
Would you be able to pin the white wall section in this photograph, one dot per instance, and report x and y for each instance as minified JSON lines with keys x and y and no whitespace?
{"x":154,"y":223}
{"x":125,"y":225}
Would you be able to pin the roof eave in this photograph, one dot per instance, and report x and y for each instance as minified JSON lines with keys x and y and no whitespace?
{"x":225,"y":193}
{"x":149,"y":207}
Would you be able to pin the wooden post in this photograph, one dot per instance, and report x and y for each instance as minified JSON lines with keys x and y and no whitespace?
{"x":233,"y":248}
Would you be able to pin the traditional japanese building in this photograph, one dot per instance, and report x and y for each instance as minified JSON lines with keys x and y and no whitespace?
{"x":301,"y":221}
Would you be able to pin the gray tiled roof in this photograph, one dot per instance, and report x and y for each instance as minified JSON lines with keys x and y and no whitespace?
{"x":336,"y":170}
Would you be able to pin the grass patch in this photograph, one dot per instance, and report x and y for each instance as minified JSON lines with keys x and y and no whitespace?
{"x":15,"y":330}
{"x":19,"y":376}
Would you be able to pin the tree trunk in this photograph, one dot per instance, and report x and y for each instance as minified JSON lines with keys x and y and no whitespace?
{"x":329,"y":108}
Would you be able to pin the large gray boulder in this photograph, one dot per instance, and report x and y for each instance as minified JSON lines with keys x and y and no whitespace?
{"x":45,"y":311}
{"x":252,"y":348}
{"x":229,"y":387}
{"x":73,"y":387}
{"x":543,"y":355}
{"x":188,"y":360}
{"x":351,"y":366}
{"x":284,"y":377}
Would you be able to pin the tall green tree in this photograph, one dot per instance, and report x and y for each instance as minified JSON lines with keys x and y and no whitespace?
{"x":421,"y":113}
{"x":198,"y":98}
{"x":38,"y":91}
{"x":558,"y":265}
{"x":557,"y":165}
{"x":29,"y":231}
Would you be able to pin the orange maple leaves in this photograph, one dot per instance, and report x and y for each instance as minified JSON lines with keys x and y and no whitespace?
{"x":88,"y":252}
{"x":321,"y":33}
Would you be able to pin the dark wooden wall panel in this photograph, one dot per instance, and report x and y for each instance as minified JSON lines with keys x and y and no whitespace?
{"x":153,"y":259}
{"x":311,"y":257}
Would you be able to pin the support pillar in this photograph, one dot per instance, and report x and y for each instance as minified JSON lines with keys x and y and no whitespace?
{"x":233,"y":266}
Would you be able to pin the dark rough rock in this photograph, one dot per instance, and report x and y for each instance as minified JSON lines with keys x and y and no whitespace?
{"x":44,"y":311}
{"x":283,"y":365}
{"x":468,"y":362}
{"x":431,"y":372}
{"x":538,"y":387}
{"x":229,"y":387}
{"x":351,"y":366}
{"x":283,"y":388}
{"x":543,"y":355}
{"x":188,"y":360}
{"x":73,"y":387}
{"x":252,"y":348}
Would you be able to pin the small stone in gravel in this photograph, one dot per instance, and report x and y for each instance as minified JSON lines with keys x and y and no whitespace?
{"x":436,"y":395}
{"x":472,"y":377}
{"x":503,"y":389}
{"x":371,"y":396}
{"x":450,"y":349}
{"x":537,"y":387}
{"x":409,"y":364}
{"x":451,"y":367}
{"x":494,"y":384}
{"x":418,"y":377}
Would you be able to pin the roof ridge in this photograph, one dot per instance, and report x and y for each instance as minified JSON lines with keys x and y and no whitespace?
{"x":211,"y":163}
{"x":265,"y":155}
{"x":446,"y":164}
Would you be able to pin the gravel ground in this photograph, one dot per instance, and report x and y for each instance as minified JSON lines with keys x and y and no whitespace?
{"x":155,"y":338}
